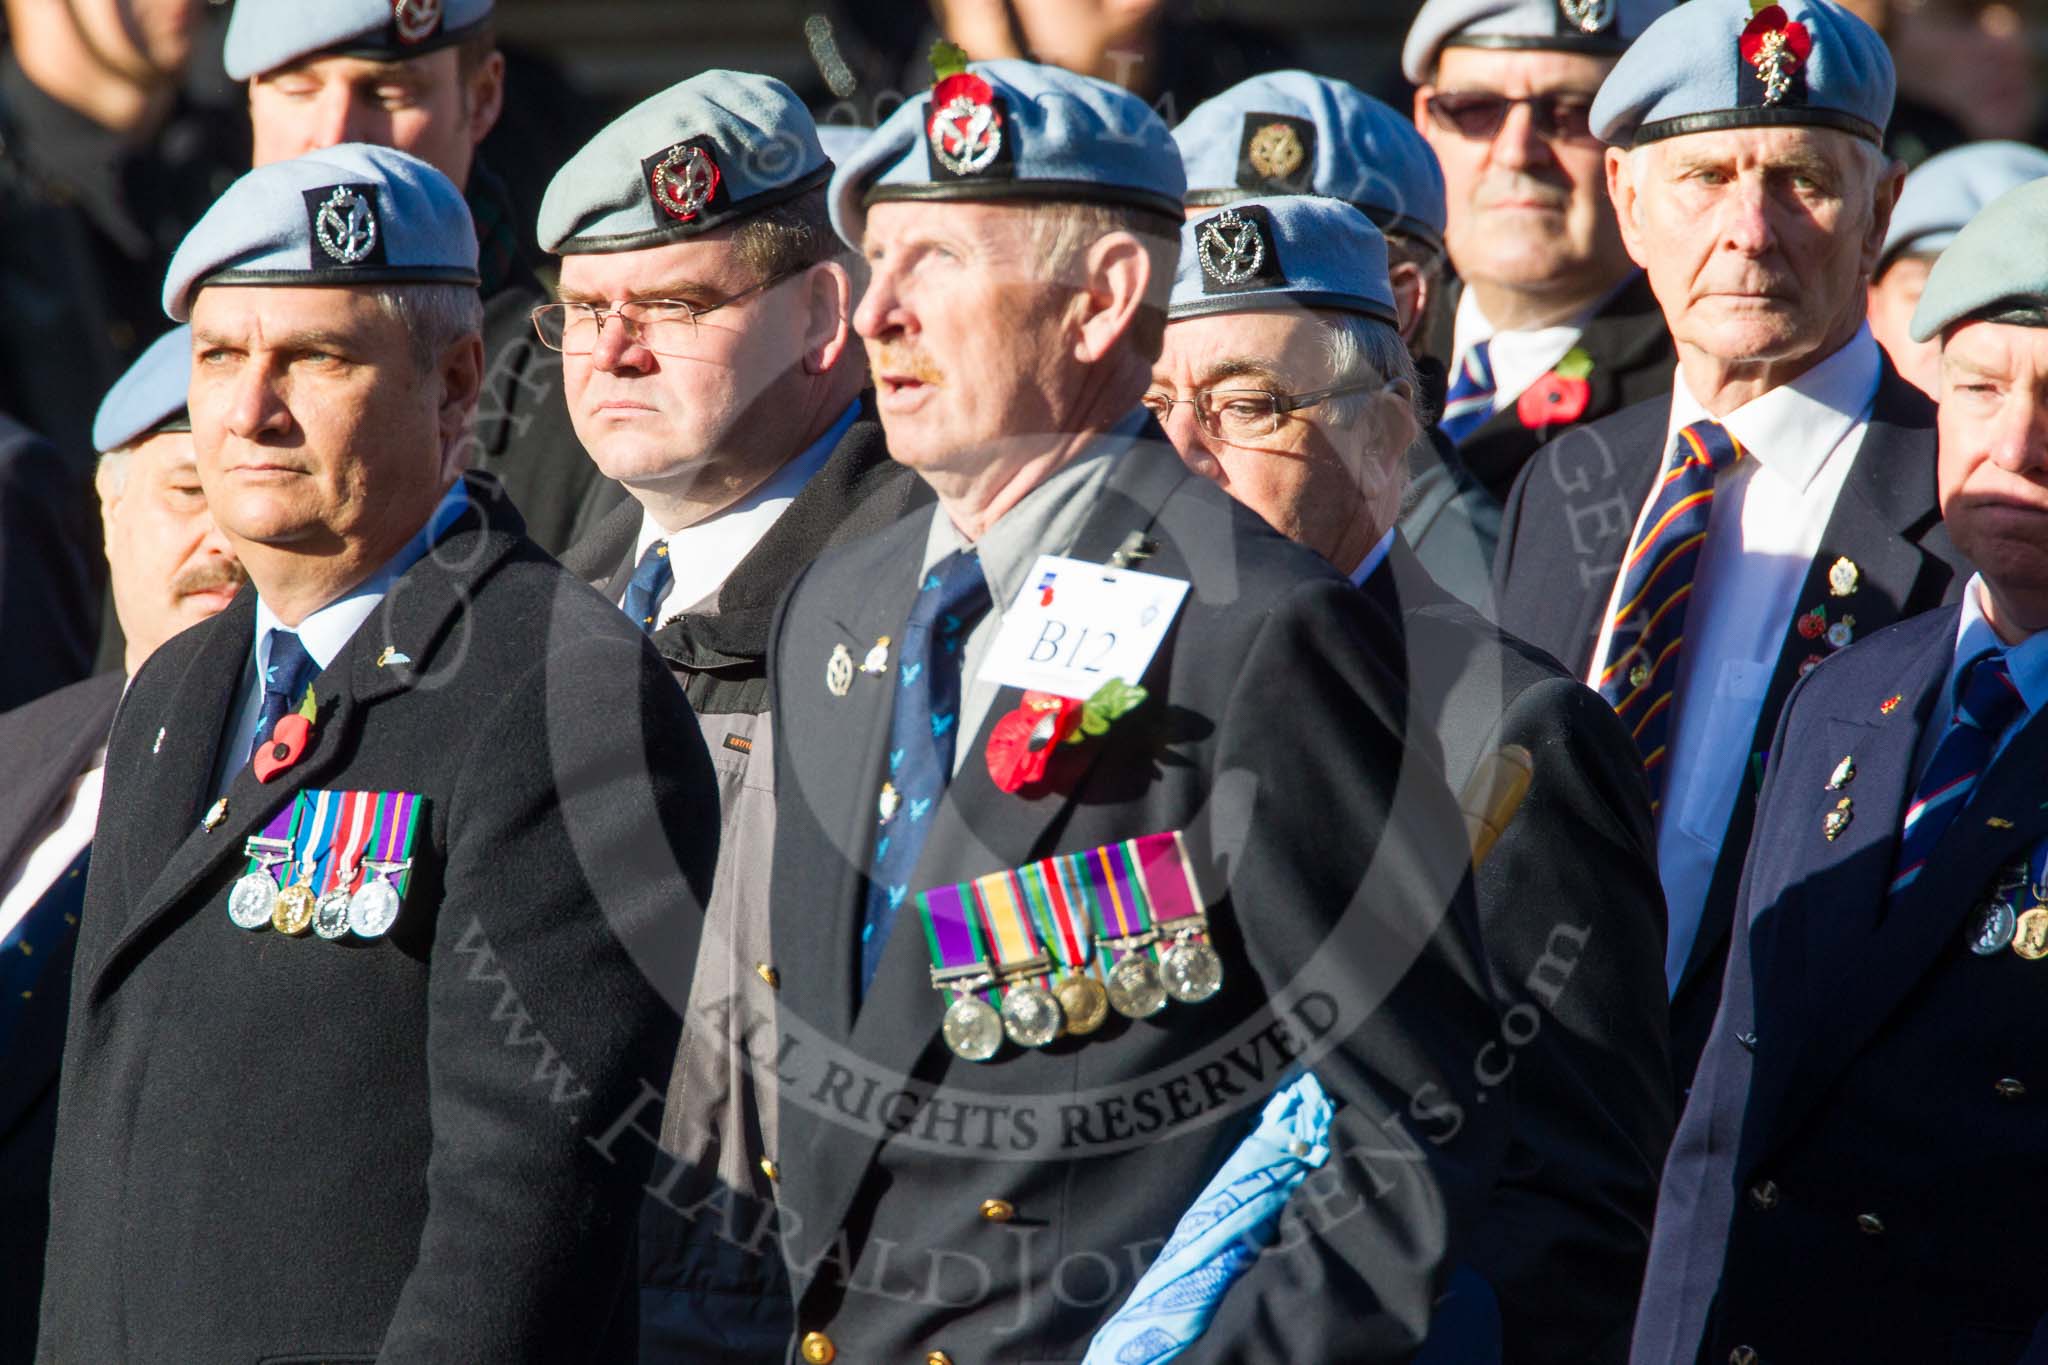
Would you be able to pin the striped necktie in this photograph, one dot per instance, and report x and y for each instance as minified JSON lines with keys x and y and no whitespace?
{"x":1469,"y":399}
{"x":1648,"y":625}
{"x":652,"y":578}
{"x":1987,"y":703}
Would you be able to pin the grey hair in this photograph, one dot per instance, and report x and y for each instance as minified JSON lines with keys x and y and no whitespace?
{"x":434,"y":316}
{"x":1061,"y":233}
{"x":110,"y":475}
{"x":1361,"y":350}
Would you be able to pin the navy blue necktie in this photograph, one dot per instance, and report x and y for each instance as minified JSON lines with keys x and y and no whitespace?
{"x":1987,"y":703}
{"x":652,"y":577}
{"x":923,"y":726}
{"x":284,"y":684}
{"x":26,"y":948}
{"x":1468,"y":400}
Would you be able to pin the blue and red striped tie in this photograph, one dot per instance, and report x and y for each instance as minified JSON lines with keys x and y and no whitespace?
{"x":1468,"y":400}
{"x":1987,"y":703}
{"x":1648,"y":625}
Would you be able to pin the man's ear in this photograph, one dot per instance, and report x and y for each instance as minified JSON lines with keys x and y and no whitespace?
{"x":1116,"y":280}
{"x":459,"y":375}
{"x":1884,"y":198}
{"x":1622,"y":190}
{"x":828,"y":310}
{"x":1411,"y":297}
{"x":485,"y":96}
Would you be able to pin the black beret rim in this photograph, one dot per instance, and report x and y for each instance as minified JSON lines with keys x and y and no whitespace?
{"x":1281,"y":301}
{"x":339,"y":278}
{"x":578,"y":245}
{"x":1775,"y":116}
{"x":181,"y":420}
{"x":379,"y":52}
{"x":1057,"y":191}
{"x":1596,"y":44}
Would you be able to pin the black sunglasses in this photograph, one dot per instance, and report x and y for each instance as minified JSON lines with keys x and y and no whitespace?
{"x":1478,"y":114}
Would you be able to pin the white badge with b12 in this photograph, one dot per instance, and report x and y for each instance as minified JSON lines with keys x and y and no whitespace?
{"x":1076,"y":625}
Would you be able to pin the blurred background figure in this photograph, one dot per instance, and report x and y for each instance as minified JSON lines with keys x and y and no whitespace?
{"x":1940,"y":196}
{"x":170,"y":569}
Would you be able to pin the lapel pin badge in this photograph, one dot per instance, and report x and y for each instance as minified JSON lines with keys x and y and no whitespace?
{"x":839,"y":671}
{"x":392,"y":658}
{"x":1843,"y":576}
{"x":287,"y":742}
{"x":876,"y":661}
{"x":1844,"y":773}
{"x":158,"y":747}
{"x":215,"y":813}
{"x":1999,"y":822}
{"x":1890,"y":704}
{"x":1835,"y":821}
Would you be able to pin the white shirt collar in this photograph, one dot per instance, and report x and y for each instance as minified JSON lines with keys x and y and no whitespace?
{"x":1793,"y":429}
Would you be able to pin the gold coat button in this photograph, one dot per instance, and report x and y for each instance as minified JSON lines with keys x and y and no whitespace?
{"x":1764,"y":1194}
{"x":1870,"y":1225}
{"x":770,"y":1169}
{"x":1742,"y":1355}
{"x":937,"y":1358}
{"x":998,"y":1210}
{"x":769,"y":975}
{"x":2010,"y":1089}
{"x":817,"y":1349}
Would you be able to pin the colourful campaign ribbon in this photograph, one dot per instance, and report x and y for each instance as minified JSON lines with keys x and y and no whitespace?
{"x":343,"y":871}
{"x":1167,"y":876}
{"x":314,"y":856}
{"x":397,"y":824}
{"x":1002,"y":905}
{"x":951,"y":931}
{"x":283,"y":829}
{"x":1060,"y":926}
{"x":1119,"y":904}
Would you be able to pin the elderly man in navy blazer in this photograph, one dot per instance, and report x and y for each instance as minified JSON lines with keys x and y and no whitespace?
{"x":1850,"y":1181}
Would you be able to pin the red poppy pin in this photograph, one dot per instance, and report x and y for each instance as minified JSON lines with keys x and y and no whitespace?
{"x":1021,"y":745}
{"x":1776,"y":47}
{"x":287,"y":742}
{"x":1559,"y":396}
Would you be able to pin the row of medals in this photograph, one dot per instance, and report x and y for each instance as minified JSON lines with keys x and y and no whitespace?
{"x":257,"y":900}
{"x":2001,"y":925}
{"x":1032,"y":1016}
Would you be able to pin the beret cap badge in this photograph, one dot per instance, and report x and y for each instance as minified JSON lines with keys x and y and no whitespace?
{"x":1776,"y":48}
{"x":965,"y":128}
{"x":415,"y":21}
{"x":346,"y":225}
{"x":1231,"y":248}
{"x":1588,"y":16}
{"x":684,"y":180}
{"x":1275,"y":150}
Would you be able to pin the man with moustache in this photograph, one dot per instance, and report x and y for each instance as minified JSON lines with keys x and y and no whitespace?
{"x":1842,"y":1184}
{"x":1696,"y":554}
{"x":171,"y":568}
{"x":1550,"y":325}
{"x":1570,"y":914}
{"x":426,"y":77}
{"x":985,"y":1070}
{"x":710,"y":369}
{"x":396,"y":856}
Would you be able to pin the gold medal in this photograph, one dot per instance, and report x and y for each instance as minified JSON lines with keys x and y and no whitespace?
{"x":2030,"y":936}
{"x":1084,"y":1002}
{"x":293,"y":913}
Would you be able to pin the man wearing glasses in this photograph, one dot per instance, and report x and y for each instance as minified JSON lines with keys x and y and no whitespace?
{"x":1294,"y":393}
{"x":1553,"y":325}
{"x":709,"y":368}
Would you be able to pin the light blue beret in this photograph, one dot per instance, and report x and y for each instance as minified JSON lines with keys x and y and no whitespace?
{"x":1014,"y":130}
{"x":1999,"y":259}
{"x":352,"y":214}
{"x":712,"y":149}
{"x":842,"y":140}
{"x":1712,"y":64}
{"x":1291,"y":132}
{"x":150,"y":397}
{"x":1599,"y":27}
{"x":1288,"y":251}
{"x":264,"y":35}
{"x":1946,"y":191}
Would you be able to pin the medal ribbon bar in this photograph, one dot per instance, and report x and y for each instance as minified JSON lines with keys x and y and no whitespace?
{"x":959,"y":963}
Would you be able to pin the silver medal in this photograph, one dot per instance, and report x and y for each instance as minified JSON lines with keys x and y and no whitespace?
{"x":249,"y":904}
{"x":1135,"y":990}
{"x":972,"y":1029}
{"x":1191,"y":971}
{"x":330,"y":914}
{"x":373,"y":908}
{"x":1031,"y":1016}
{"x":1996,"y":924}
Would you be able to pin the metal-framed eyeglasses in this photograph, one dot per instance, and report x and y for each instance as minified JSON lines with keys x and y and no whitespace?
{"x":1246,"y":414}
{"x":663,"y":326}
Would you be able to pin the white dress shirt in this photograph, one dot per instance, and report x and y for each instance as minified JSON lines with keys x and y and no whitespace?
{"x":1518,"y":359}
{"x":1770,"y":510}
{"x":67,"y":838}
{"x":703,"y":556}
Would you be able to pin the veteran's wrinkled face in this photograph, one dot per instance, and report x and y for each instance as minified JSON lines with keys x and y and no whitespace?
{"x":1993,"y":463}
{"x":424,"y":105}
{"x":169,"y":565}
{"x":967,"y":340}
{"x":317,"y":430}
{"x":1758,"y":242}
{"x":1893,"y":297}
{"x":733,"y":380}
{"x":1527,"y":204}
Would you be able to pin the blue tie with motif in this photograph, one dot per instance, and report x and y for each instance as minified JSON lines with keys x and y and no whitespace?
{"x":284,"y":684}
{"x":1987,"y":703}
{"x":1469,"y":399}
{"x":652,"y":577}
{"x":923,"y":727}
{"x":27,"y":946}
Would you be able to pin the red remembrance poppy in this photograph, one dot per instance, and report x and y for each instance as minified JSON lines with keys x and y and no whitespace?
{"x":1769,"y":20}
{"x":1022,"y":743}
{"x":1552,"y":400}
{"x":286,"y":743}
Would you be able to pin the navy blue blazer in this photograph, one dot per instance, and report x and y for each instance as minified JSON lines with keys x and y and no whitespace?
{"x":1850,"y":1179}
{"x":1567,"y":527}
